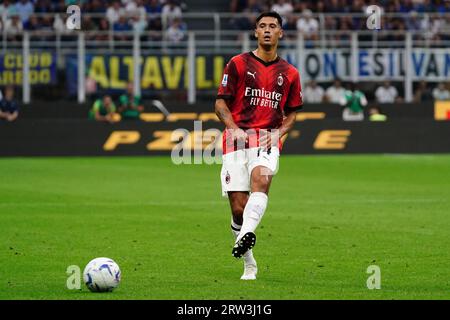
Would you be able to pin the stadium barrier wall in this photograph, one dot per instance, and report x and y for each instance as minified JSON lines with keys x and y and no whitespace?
{"x":55,"y":137}
{"x":72,"y":110}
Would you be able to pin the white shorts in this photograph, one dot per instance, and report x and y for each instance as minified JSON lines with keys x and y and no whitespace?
{"x":237,"y":167}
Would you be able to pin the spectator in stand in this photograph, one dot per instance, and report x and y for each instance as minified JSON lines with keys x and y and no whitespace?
{"x":335,"y":92}
{"x":334,"y":6}
{"x":7,"y":10}
{"x":97,"y":6}
{"x":136,"y":8}
{"x":48,"y":26}
{"x":176,"y":31}
{"x":251,"y":11}
{"x":308,"y":26}
{"x":114,"y":12}
{"x":237,"y":6}
{"x":9,"y":108}
{"x":398,"y":27}
{"x":103,"y":110}
{"x":59,"y":6}
{"x":357,"y":7}
{"x":345,"y":28}
{"x":155,"y":29}
{"x":320,"y":7}
{"x":433,"y":26}
{"x":331,"y":24}
{"x":153,"y":8}
{"x":14,"y":27}
{"x":42,"y":6}
{"x":300,"y":6}
{"x":290,"y":27}
{"x":413,"y":23}
{"x":284,"y":8}
{"x":423,"y":6}
{"x":171,"y":11}
{"x":129,"y":6}
{"x":25,"y":9}
{"x":441,"y":93}
{"x":423,"y":93}
{"x":441,"y":6}
{"x":32,"y":24}
{"x":139,"y":24}
{"x":387,"y":93}
{"x":103,"y":28}
{"x":405,"y":6}
{"x":121,"y":28}
{"x":313,"y":93}
{"x":90,"y":28}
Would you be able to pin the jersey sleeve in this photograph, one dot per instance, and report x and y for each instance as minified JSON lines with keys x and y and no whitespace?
{"x":295,"y":98}
{"x":228,"y":86}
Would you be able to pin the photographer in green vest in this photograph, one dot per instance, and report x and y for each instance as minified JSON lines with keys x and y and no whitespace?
{"x":103,"y":110}
{"x":353,"y":102}
{"x":130,"y":105}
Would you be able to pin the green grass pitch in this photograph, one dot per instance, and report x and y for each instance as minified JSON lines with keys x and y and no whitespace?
{"x":329,"y":218}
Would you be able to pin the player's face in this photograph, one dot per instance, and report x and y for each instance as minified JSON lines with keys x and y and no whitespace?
{"x":268,"y":31}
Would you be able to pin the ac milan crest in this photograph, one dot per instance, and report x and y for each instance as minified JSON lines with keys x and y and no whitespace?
{"x":280,"y":80}
{"x":227,"y":178}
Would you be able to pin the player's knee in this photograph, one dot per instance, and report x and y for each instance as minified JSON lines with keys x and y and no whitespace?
{"x":260,"y":182}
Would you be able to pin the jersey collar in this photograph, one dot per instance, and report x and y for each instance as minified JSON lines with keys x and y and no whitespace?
{"x":264,"y":62}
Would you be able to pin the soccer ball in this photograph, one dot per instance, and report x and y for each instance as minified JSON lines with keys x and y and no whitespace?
{"x":101,"y":275}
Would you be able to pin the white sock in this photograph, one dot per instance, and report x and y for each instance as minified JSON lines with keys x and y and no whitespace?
{"x":235,"y":229}
{"x":253,"y":212}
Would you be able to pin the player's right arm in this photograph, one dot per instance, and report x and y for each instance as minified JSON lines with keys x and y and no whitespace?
{"x":224,"y":114}
{"x":227,"y":92}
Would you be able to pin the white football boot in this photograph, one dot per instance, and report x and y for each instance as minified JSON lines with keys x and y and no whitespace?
{"x":250,"y":266}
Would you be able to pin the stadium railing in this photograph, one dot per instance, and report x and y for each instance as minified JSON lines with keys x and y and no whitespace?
{"x":213,"y":33}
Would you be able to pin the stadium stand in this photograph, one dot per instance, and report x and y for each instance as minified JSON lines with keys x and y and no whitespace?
{"x":218,"y":28}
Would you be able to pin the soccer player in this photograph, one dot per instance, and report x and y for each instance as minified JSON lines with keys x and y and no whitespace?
{"x":257,"y":102}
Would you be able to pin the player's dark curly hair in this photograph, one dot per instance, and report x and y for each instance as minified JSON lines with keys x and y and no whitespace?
{"x":272,"y":14}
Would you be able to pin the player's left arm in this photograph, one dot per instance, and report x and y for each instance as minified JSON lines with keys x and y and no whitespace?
{"x":288,"y":123}
{"x":293,"y":104}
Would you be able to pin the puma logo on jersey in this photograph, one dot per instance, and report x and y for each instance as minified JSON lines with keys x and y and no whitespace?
{"x":252,"y":74}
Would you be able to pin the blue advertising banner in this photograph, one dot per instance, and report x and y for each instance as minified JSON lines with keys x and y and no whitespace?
{"x":42,"y":68}
{"x":372,"y":64}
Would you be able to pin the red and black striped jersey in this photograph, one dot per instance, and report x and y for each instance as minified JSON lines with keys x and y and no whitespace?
{"x":258,"y":93}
